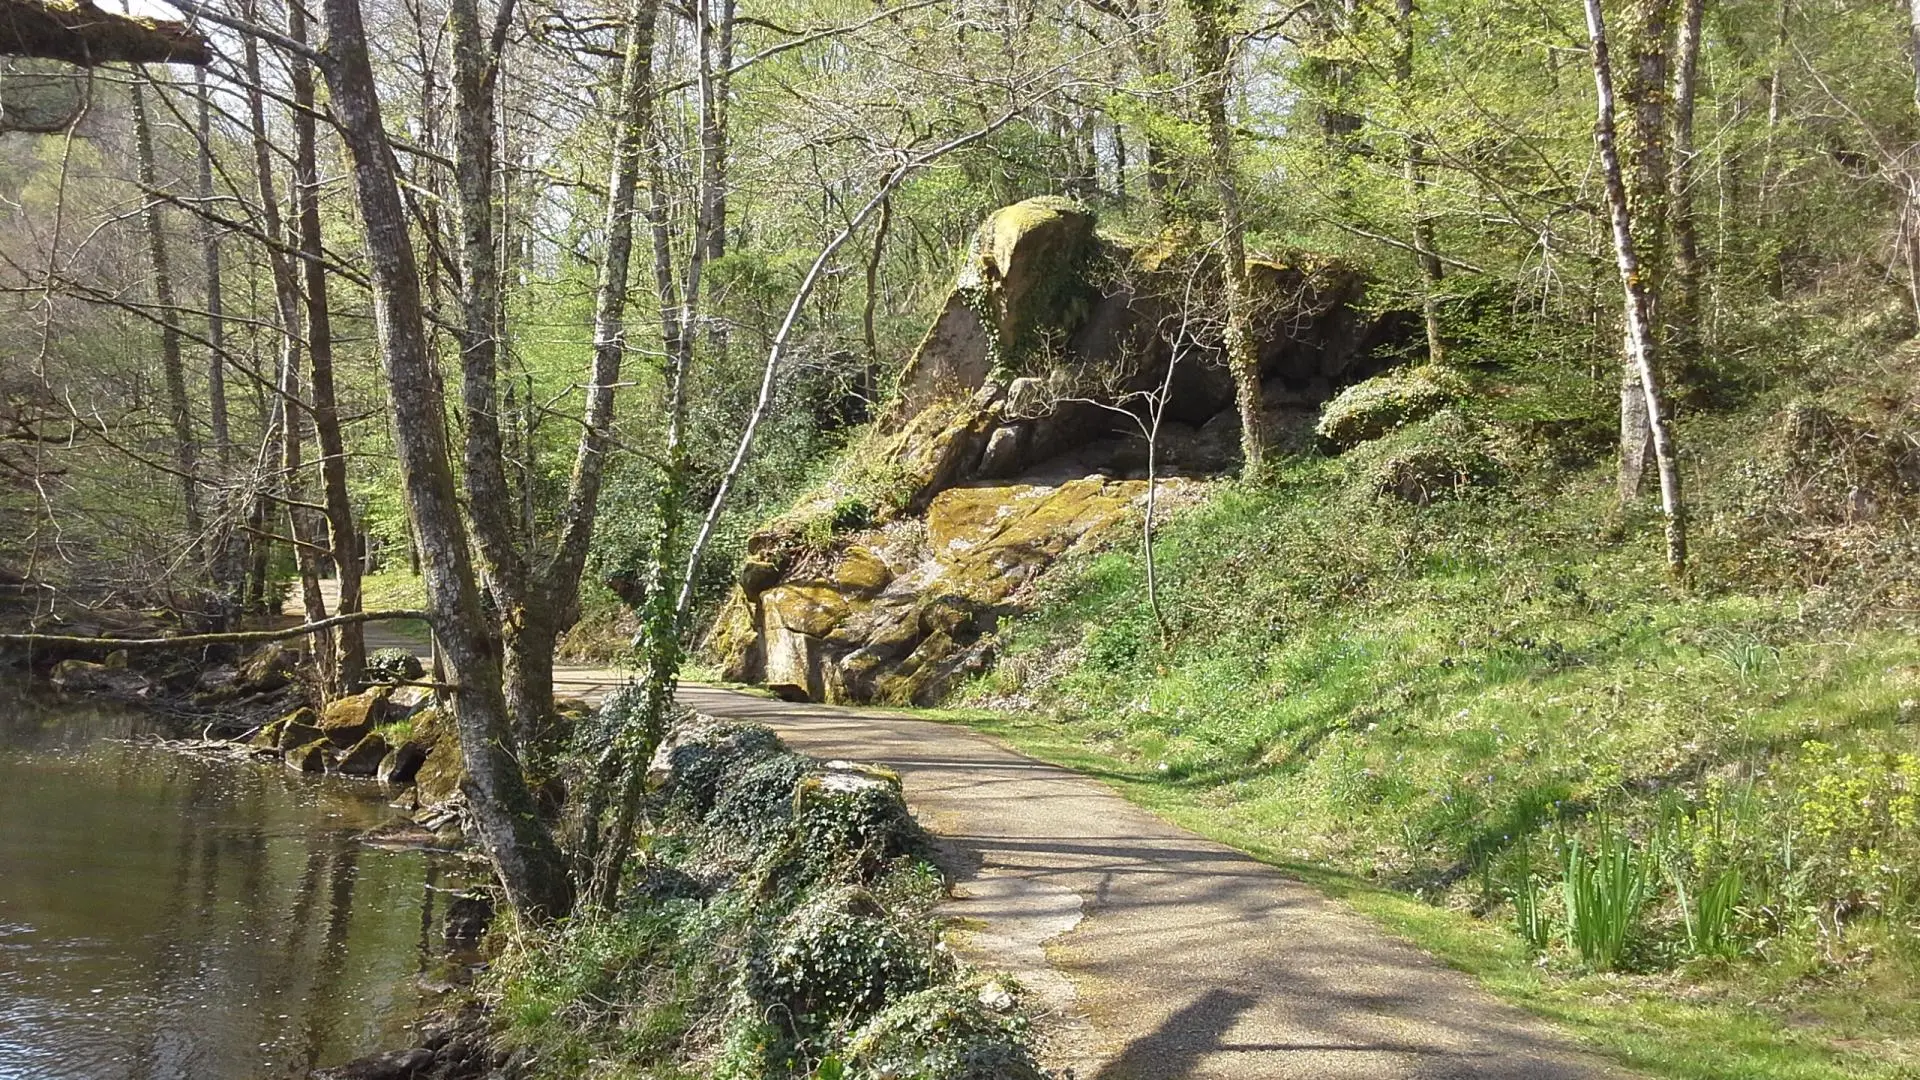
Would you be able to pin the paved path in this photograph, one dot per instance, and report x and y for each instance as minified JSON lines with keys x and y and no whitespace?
{"x":1163,"y":955}
{"x":1160,"y":955}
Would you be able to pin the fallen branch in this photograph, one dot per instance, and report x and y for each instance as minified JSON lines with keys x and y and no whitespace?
{"x":80,"y":33}
{"x":237,"y":637}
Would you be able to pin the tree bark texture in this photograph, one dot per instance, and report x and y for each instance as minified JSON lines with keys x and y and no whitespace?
{"x":1642,"y":342}
{"x":1243,"y":361}
{"x":522,"y":850}
{"x":1644,"y":137}
{"x":1683,"y":305}
{"x":173,"y":369}
{"x":1432,"y":272}
{"x":349,"y":645}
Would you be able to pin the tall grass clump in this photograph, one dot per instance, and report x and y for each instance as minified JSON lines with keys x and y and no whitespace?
{"x":1605,"y":889}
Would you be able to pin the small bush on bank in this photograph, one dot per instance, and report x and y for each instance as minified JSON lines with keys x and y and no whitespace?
{"x":394,"y":665}
{"x":1385,"y":403}
{"x":779,"y":928}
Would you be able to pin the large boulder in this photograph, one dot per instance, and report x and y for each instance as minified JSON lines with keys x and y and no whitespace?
{"x":886,"y":582}
{"x":438,"y":776}
{"x":901,"y":614}
{"x":85,"y":676}
{"x":312,"y":758}
{"x":1022,"y":276}
{"x":364,"y":758}
{"x":402,"y":763}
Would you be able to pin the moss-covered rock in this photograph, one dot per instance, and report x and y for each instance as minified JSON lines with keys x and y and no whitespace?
{"x":271,"y":667}
{"x":438,"y":777}
{"x":349,"y":719}
{"x":1022,"y":280}
{"x":297,"y":728}
{"x":1385,"y":403}
{"x":364,"y":758}
{"x":698,"y":754}
{"x":311,"y":758}
{"x":402,"y":763}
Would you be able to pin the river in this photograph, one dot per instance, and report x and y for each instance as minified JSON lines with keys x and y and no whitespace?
{"x":168,"y":917}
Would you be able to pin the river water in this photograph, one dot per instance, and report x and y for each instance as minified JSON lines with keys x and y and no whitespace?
{"x":166,"y":917}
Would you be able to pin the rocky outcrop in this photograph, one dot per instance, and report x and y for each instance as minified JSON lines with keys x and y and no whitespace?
{"x":1016,"y":438}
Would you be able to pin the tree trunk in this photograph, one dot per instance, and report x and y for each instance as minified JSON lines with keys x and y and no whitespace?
{"x":1414,"y":173}
{"x":179,"y":409}
{"x":349,"y":645}
{"x":229,"y":554}
{"x":1642,"y":344}
{"x":631,"y":145}
{"x":1683,"y":307}
{"x":522,"y":850}
{"x":1243,"y":361}
{"x":286,"y":292}
{"x":520,"y":607}
{"x":1645,"y":139}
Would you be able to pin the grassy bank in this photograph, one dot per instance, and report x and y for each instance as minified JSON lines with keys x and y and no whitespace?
{"x":1681,"y":820}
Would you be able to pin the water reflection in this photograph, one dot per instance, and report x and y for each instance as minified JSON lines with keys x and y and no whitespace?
{"x":166,"y":917}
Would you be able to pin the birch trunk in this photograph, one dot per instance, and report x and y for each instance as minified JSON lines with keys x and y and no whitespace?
{"x":1645,"y":180}
{"x":1642,"y":344}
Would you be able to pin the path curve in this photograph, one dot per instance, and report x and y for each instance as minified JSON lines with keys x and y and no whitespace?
{"x":1155,"y":954}
{"x":1161,"y":955}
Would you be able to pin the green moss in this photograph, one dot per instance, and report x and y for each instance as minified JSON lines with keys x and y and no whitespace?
{"x":759,"y":933}
{"x":1383,"y":404}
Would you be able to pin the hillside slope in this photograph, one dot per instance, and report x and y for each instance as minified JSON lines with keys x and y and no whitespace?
{"x":1444,"y":662}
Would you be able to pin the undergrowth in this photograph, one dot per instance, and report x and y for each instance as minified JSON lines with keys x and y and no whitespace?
{"x":779,"y":926}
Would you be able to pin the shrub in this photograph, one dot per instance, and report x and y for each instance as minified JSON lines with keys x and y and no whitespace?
{"x":854,"y":814}
{"x":838,"y":959}
{"x":942,"y":1033}
{"x":1438,"y":457}
{"x":701,"y":755}
{"x":393,"y":665}
{"x":1386,"y":403}
{"x":757,"y":803}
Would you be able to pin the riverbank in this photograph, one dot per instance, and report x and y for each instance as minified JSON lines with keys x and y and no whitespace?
{"x":169,"y":916}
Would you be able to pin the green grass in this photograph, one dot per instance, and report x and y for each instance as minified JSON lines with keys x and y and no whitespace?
{"x":396,"y":589}
{"x":1417,"y":707}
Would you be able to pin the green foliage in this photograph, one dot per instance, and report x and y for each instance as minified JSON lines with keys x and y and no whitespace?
{"x":1386,"y":403}
{"x":1438,"y":457}
{"x":1604,"y":890}
{"x":394,"y":665}
{"x":837,"y":959}
{"x":1430,"y":695}
{"x":754,"y":942}
{"x":942,"y":1033}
